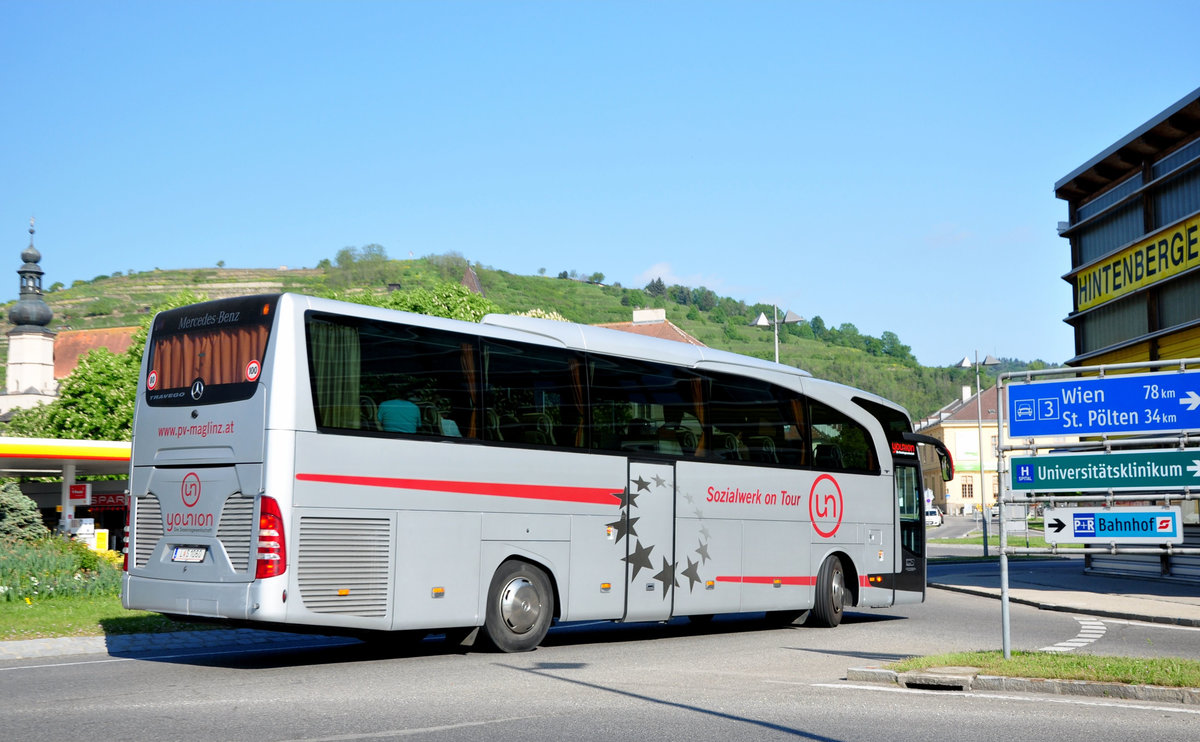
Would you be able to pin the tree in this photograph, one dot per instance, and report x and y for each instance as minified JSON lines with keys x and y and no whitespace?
{"x":656,"y":288}
{"x":445,"y":300}
{"x":597,"y":277}
{"x":19,"y":516}
{"x":679,"y":294}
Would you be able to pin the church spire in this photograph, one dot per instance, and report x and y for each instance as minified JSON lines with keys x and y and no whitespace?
{"x":31,"y":311}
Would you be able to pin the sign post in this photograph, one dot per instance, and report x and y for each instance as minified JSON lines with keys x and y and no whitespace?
{"x":1093,"y":405}
{"x":1148,"y":469}
{"x":1120,"y":525}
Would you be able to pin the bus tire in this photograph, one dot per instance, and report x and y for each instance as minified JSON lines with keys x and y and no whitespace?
{"x":831,"y":594}
{"x":520,"y":607}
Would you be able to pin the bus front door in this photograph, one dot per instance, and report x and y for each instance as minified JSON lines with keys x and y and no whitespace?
{"x":649,"y":521}
{"x":910,"y":576}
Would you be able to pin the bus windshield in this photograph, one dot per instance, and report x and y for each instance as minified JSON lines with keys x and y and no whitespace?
{"x":208,"y":353}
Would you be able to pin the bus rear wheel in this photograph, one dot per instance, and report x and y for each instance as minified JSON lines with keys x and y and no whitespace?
{"x":831,"y":594}
{"x":520,"y":607}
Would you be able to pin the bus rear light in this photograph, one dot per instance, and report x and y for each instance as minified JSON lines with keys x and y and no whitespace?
{"x":125,"y":545}
{"x":272,"y":550}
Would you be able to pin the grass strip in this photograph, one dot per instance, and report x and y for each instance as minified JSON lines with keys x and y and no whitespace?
{"x":82,"y":616}
{"x":1164,"y":671}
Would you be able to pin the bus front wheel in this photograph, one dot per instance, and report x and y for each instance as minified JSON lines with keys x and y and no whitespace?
{"x":831,"y":594}
{"x":520,"y":607}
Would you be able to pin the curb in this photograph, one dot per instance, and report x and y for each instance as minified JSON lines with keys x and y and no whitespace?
{"x":968,"y":679}
{"x":1091,"y":611}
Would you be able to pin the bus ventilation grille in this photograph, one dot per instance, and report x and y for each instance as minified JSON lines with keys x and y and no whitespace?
{"x":147,"y":529}
{"x":343,"y":565}
{"x":236,"y":529}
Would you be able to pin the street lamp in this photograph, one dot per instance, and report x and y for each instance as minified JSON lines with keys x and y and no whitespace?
{"x":966,"y":363}
{"x":789,"y":318}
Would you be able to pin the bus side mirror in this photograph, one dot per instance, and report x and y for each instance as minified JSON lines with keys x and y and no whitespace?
{"x":945,"y":461}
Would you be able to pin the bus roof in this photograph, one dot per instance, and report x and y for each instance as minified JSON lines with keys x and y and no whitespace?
{"x":615,"y":342}
{"x":608,"y":341}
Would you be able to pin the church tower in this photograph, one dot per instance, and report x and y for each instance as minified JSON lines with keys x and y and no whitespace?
{"x":30,"y":374}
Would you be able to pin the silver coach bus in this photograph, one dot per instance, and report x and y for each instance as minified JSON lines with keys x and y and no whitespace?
{"x":310,"y":463}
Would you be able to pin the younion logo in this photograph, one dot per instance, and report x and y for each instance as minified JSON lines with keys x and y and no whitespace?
{"x":190,"y":490}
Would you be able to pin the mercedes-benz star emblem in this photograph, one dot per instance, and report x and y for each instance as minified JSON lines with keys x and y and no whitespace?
{"x":197,"y":389}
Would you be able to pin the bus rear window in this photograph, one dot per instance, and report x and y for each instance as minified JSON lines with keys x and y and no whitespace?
{"x":208,"y":353}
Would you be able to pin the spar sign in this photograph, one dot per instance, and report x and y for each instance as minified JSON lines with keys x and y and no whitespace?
{"x":1130,"y":403}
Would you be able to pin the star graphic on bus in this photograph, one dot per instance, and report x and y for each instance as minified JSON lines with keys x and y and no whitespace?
{"x":642,"y":484}
{"x":659,"y":481}
{"x":639,"y":559}
{"x":628,"y":499}
{"x":703,"y":552}
{"x":624,"y":526}
{"x":667,"y":576}
{"x":692,"y":573}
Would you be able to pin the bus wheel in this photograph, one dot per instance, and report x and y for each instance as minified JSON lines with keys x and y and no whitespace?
{"x":520,"y":607}
{"x":831,"y":594}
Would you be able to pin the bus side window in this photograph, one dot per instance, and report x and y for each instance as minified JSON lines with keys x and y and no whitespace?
{"x":839,"y":443}
{"x":533,"y":395}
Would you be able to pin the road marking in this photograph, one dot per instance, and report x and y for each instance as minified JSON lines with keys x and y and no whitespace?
{"x":1090,"y":630}
{"x":1151,"y":624}
{"x":392,"y":733}
{"x":1033,"y":697}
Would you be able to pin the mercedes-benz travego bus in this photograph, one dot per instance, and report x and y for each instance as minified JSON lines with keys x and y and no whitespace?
{"x":303,"y":462}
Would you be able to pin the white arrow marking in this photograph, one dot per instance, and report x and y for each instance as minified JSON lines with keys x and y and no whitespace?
{"x":1192,"y":400}
{"x":1195,"y":468}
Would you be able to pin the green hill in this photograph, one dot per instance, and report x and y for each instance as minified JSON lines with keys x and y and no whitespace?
{"x":881,"y":365}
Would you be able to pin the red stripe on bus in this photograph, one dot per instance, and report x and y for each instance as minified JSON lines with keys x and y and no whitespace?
{"x":759,"y":580}
{"x":586,"y":495}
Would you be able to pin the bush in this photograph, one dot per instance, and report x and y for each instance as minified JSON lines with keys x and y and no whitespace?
{"x":55,"y":567}
{"x":19,"y":516}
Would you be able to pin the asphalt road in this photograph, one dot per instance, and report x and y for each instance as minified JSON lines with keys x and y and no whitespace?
{"x":737,"y":679}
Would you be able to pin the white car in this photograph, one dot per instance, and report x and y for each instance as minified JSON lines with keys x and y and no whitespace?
{"x":933,"y":516}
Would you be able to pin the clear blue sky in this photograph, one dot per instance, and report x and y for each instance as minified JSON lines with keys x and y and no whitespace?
{"x":889,"y":165}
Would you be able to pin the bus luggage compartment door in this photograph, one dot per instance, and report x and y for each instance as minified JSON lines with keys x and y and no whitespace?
{"x":648,"y":525}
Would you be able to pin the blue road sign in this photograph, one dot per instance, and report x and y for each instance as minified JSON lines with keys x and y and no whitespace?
{"x":1120,"y":525}
{"x":1133,"y":403}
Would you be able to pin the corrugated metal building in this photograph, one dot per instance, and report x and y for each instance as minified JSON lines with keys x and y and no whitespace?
{"x":1134,"y":229}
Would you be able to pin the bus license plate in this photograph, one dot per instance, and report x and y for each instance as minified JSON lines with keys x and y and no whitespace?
{"x":189,"y":554}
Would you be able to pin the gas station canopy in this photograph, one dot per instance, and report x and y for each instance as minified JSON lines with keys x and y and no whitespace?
{"x":52,"y":457}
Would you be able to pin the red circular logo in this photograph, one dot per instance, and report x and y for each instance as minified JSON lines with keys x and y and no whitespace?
{"x":152,"y":380}
{"x":190,"y":490}
{"x":253,"y":369}
{"x":825,"y":504}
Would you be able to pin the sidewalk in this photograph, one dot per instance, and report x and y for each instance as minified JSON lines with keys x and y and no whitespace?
{"x":1061,"y":585}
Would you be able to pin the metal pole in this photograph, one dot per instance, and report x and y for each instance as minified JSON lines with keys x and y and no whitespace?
{"x":775,"y":309}
{"x":984,"y":513}
{"x":1005,"y":624}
